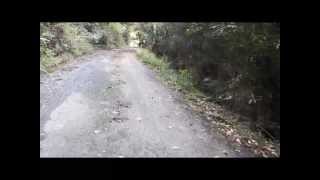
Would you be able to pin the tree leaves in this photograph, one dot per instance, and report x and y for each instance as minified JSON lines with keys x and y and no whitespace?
{"x":224,"y":52}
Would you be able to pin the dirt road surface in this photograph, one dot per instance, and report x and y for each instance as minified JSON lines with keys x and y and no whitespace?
{"x":108,"y":104}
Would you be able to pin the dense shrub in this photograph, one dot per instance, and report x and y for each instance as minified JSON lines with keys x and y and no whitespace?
{"x":237,"y":60}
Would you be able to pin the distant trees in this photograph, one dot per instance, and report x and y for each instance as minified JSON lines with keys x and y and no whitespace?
{"x":242,"y":60}
{"x":59,"y":42}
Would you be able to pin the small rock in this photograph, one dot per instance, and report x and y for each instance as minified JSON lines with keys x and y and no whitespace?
{"x":115,"y":112}
{"x":175,"y":147}
{"x":96,"y":131}
{"x":237,"y":150}
{"x":170,"y":127}
{"x":120,"y":119}
{"x":225,"y":153}
{"x":124,"y":105}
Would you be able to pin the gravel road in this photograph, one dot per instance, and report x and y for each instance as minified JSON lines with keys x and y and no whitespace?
{"x":108,"y":104}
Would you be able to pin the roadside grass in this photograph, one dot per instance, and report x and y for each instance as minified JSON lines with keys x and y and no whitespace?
{"x":51,"y":63}
{"x":180,"y":80}
{"x":227,"y":122}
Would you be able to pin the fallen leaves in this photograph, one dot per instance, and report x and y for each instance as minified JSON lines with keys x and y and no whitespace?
{"x":227,"y":123}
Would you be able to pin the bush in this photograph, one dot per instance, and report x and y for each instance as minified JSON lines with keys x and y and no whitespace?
{"x":243,"y":59}
{"x":77,"y":39}
{"x":113,"y":35}
{"x":60,"y":42}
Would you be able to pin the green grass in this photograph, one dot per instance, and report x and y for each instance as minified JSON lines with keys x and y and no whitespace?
{"x":179,"y":79}
{"x":50,"y":63}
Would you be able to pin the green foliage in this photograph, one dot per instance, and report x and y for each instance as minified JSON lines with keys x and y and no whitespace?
{"x":60,"y":42}
{"x":181,"y":80}
{"x":185,"y":79}
{"x":114,"y":35}
{"x":240,"y":58}
{"x":150,"y":58}
{"x":76,"y":38}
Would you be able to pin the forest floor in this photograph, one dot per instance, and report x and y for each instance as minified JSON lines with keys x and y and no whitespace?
{"x":108,"y":104}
